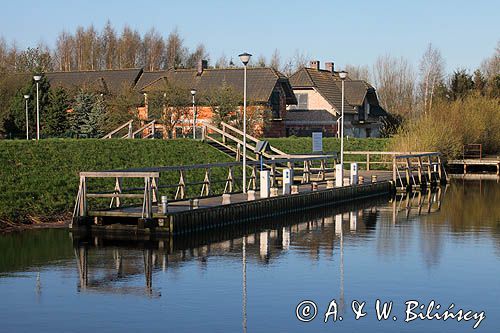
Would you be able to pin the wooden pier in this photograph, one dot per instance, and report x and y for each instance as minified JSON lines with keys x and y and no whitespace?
{"x":477,"y":163}
{"x":200,"y":200}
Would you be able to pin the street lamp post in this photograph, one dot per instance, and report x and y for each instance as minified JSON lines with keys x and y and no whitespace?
{"x":245,"y":58}
{"x":193,"y":92}
{"x":342,"y":75}
{"x":26,"y":97}
{"x":37,"y":79}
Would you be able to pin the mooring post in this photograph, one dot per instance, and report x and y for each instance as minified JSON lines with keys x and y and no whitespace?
{"x":83,"y":196}
{"x":394,"y":167}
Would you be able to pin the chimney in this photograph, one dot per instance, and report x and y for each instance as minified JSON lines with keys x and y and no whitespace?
{"x":202,"y":65}
{"x":329,"y":66}
{"x":314,"y":64}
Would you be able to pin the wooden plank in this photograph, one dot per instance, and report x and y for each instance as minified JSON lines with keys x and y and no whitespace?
{"x":122,"y":174}
{"x":115,"y":195}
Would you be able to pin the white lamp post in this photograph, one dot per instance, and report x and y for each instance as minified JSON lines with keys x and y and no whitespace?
{"x":342,"y":75}
{"x":26,"y":97}
{"x":245,"y":58}
{"x":193,"y":92}
{"x":37,"y":79}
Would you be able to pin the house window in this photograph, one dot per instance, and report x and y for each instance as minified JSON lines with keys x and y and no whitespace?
{"x":301,"y":102}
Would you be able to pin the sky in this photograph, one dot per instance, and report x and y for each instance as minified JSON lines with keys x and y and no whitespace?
{"x":345,"y":32}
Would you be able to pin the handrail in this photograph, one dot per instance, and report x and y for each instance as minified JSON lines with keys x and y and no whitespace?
{"x":141,"y":129}
{"x":234,"y":129}
{"x":108,"y":136}
{"x":219,"y":165}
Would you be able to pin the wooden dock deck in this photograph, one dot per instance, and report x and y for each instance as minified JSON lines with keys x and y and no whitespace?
{"x":477,"y":163}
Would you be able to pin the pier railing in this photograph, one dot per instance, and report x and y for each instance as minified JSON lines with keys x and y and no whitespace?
{"x":146,"y":185}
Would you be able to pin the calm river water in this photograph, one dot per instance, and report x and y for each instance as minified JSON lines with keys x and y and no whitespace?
{"x":442,"y":246}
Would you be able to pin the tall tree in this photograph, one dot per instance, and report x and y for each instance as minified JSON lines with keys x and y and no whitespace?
{"x":64,"y":52}
{"x":431,"y":74}
{"x":170,"y":106}
{"x":199,"y":54}
{"x":153,"y":50}
{"x":461,"y":84}
{"x":275,"y":61}
{"x":395,"y":82}
{"x":222,"y":62}
{"x":175,"y":50}
{"x":129,"y":46}
{"x":109,"y":45}
{"x":55,"y":122}
{"x":34,"y":60}
{"x":360,"y":72}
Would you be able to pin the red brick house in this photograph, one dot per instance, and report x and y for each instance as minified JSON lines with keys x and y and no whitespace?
{"x":319,"y":99}
{"x":267,"y":90}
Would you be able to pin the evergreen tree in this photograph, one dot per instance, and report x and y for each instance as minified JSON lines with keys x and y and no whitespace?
{"x":17,"y":108}
{"x":56,"y":118}
{"x":87,"y":116}
{"x":479,"y":82}
{"x":461,"y":84}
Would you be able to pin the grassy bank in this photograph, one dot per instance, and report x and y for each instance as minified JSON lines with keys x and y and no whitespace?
{"x":39,"y":181}
{"x":295,"y":145}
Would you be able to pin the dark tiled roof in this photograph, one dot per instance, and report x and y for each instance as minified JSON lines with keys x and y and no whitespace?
{"x":260,"y":81}
{"x":147,"y":78}
{"x":111,"y":81}
{"x":325,"y":83}
{"x":309,"y":117}
{"x":355,"y":91}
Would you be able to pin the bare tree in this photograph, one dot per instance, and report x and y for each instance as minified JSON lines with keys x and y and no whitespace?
{"x":64,"y":52}
{"x":129,"y":46}
{"x":299,"y":60}
{"x":153,"y":50}
{"x":491,"y":66}
{"x":175,"y":50}
{"x":358,"y":72}
{"x":431,"y":74}
{"x":261,"y":61}
{"x":199,"y":54}
{"x":394,"y":79}
{"x":109,"y":44}
{"x":275,"y":61}
{"x":222,"y":62}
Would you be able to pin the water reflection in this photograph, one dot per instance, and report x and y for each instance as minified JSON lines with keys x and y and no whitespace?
{"x":311,"y":232}
{"x":341,"y":250}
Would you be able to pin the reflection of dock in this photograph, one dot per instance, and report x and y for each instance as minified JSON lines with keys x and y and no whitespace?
{"x":261,"y":241}
{"x":416,"y":203}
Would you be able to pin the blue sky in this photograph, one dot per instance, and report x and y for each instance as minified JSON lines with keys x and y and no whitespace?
{"x":346,"y":32}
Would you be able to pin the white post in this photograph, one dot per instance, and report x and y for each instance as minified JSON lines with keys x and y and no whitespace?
{"x":264,"y":184}
{"x":287,"y":181}
{"x":354,"y":174}
{"x":37,"y":114}
{"x":339,"y":176}
{"x":245,"y":129}
{"x":342,"y":130}
{"x":194,"y":120}
{"x":27,"y":121}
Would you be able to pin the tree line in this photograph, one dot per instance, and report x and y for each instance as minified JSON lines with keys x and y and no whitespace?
{"x":89,"y":49}
{"x":406,"y":92}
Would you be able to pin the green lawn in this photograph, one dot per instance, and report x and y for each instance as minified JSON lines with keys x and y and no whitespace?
{"x":40,"y":180}
{"x":303,"y":145}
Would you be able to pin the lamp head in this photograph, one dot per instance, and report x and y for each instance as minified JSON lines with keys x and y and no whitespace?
{"x":37,"y":78}
{"x":26,"y":96}
{"x":193,"y":92}
{"x":342,"y":75}
{"x":245,"y":58}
